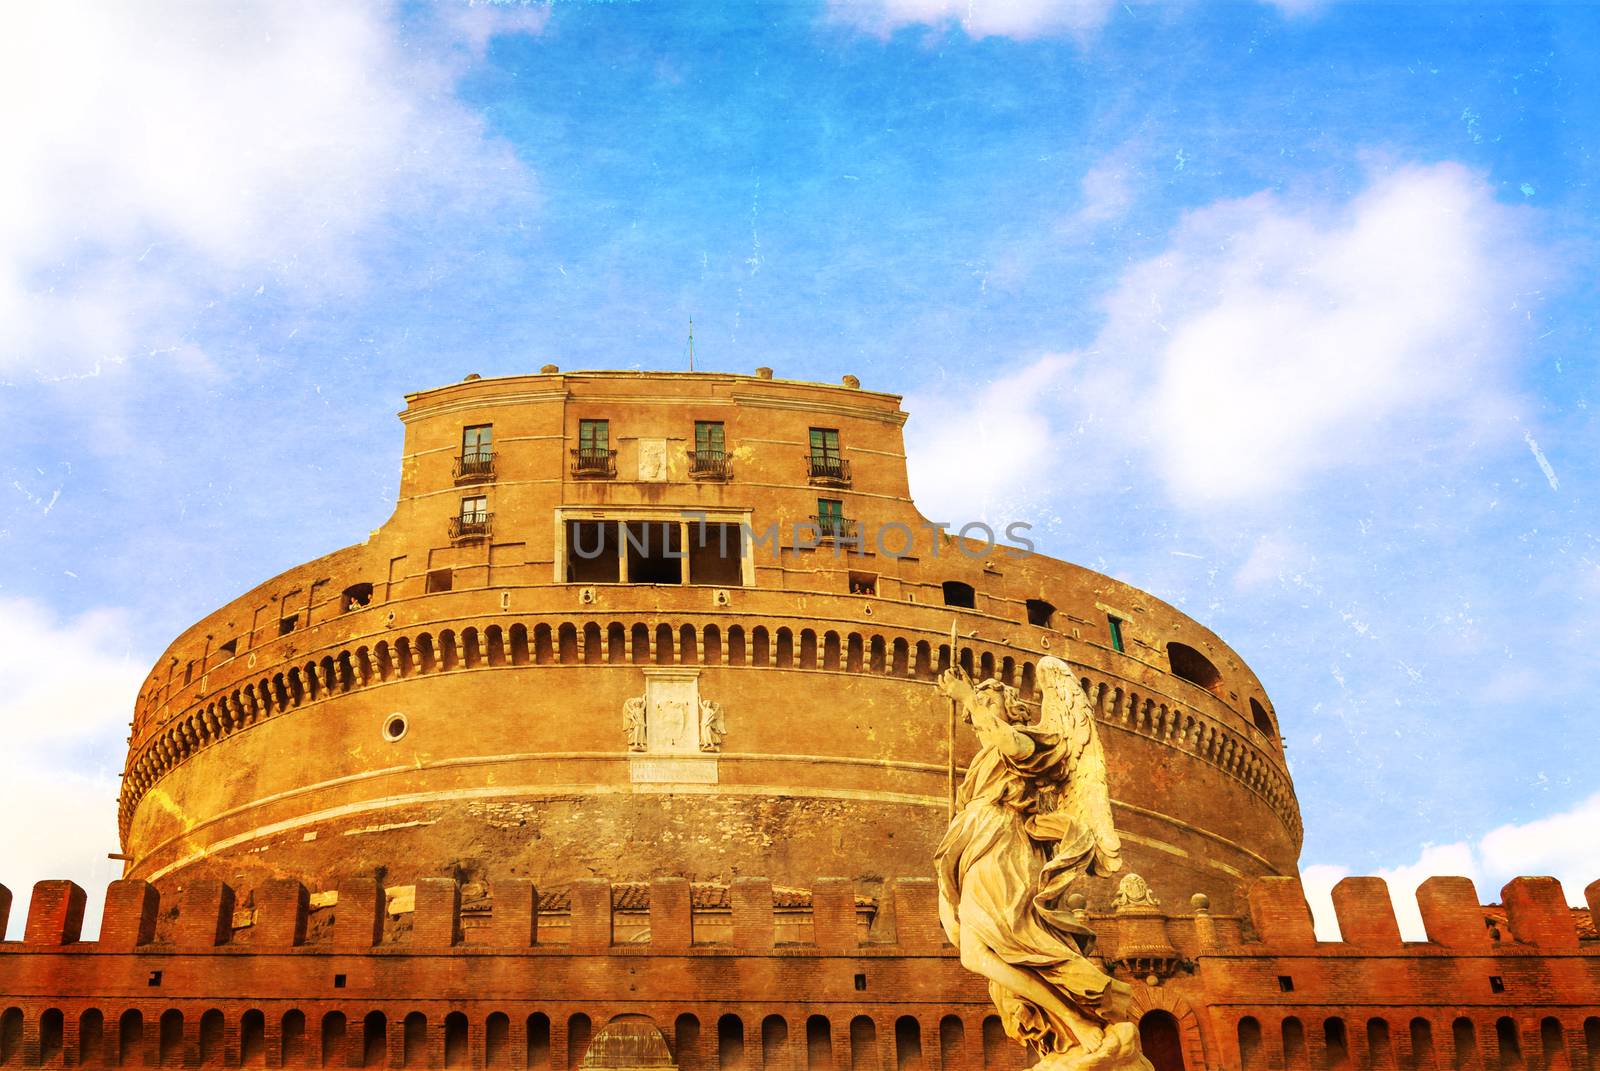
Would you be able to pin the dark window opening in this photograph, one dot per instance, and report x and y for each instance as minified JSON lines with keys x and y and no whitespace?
{"x":1159,"y":1038}
{"x":1194,"y":667}
{"x":861,"y":982}
{"x":961,"y":595}
{"x":863,"y":583}
{"x":356,"y":596}
{"x":1497,"y":984}
{"x":1040,"y":613}
{"x":230,"y":648}
{"x":154,"y":979}
{"x":439,"y":580}
{"x":1258,"y":714}
{"x":338,"y":981}
{"x":655,"y":552}
{"x":1114,"y":626}
{"x":830,"y":520}
{"x":188,"y":672}
{"x":1285,"y":984}
{"x":287,"y":625}
{"x":592,"y":552}
{"x":716,"y":555}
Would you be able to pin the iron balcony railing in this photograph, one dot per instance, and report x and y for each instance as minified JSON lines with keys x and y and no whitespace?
{"x":596,"y":463}
{"x":472,"y":526}
{"x":475,"y":466}
{"x":710,"y":465}
{"x":828,"y":469}
{"x":830,"y":526}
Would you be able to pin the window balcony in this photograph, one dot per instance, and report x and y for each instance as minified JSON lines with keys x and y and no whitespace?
{"x":830,"y":526}
{"x":475,"y":466}
{"x":594,"y":464}
{"x":710,"y":465}
{"x":828,"y":470}
{"x":470,"y":527}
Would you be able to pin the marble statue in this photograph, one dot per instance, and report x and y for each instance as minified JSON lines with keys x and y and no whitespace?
{"x":1031,"y":817}
{"x":634,"y":725}
{"x":712,"y":727}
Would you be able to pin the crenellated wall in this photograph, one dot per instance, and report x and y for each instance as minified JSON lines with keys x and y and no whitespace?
{"x":748,"y":975}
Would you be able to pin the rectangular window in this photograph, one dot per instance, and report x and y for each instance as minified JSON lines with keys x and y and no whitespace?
{"x":594,"y":436}
{"x":477,"y":443}
{"x":1114,"y":624}
{"x":474,"y":509}
{"x":824,"y":444}
{"x":439,"y":580}
{"x":286,"y":624}
{"x":829,"y":510}
{"x":708,"y":437}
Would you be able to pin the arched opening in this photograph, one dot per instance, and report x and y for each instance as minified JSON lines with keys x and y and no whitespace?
{"x":663,"y":645}
{"x":616,"y":643}
{"x":952,"y":1043}
{"x":455,"y":1040}
{"x":759,"y":647}
{"x":961,"y":595}
{"x":713,"y":646}
{"x":736,"y":655}
{"x":1465,"y":1036}
{"x":543,"y":648}
{"x":1591,"y":1041}
{"x":1249,"y":1043}
{"x":253,"y":1039}
{"x":1380,"y":1051}
{"x":641,"y":644}
{"x":830,"y":650}
{"x":1194,"y":667}
{"x":863,"y":1044}
{"x":900,"y":657}
{"x":539,"y":1041}
{"x":819,"y":1044}
{"x":211,"y":1026}
{"x":413,"y":1041}
{"x":1336,"y":1042}
{"x":594,"y":648}
{"x":470,"y":644}
{"x":130,"y":1038}
{"x":375,"y":1040}
{"x":808,"y":649}
{"x":334,"y":1039}
{"x":579,"y":1030}
{"x":784,"y":658}
{"x":1553,"y":1045}
{"x":91,"y":1038}
{"x":494,"y":638}
{"x":169,"y":1039}
{"x":449,"y":650}
{"x":1422,"y":1058}
{"x":52,"y":1036}
{"x":497,"y":1040}
{"x":519,"y":645}
{"x":1510,"y":1042}
{"x":876,"y":660}
{"x":1160,"y":1040}
{"x":907,"y":1044}
{"x":1295,"y":1055}
{"x":686,"y":1043}
{"x":730,"y":1043}
{"x":567,"y":644}
{"x":774,"y":1042}
{"x":995,"y":1056}
{"x":687,"y":654}
{"x":292,"y":1039}
{"x":1258,"y":714}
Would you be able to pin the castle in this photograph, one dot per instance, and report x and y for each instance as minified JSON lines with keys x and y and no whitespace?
{"x":618,"y":746}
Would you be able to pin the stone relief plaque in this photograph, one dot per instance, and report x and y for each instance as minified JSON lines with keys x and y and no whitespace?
{"x":653,"y":460}
{"x":672,"y":734}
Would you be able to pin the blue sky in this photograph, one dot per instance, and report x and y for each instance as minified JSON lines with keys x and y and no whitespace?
{"x":1282,"y":311}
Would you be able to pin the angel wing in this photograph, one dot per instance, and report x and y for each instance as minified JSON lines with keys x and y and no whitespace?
{"x":1086,"y":798}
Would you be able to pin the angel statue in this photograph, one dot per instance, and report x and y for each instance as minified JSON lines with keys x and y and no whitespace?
{"x":1032,"y":816}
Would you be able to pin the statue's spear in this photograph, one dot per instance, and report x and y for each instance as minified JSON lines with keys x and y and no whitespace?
{"x":950,"y":737}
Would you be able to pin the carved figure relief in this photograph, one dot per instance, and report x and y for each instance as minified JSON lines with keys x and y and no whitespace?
{"x":1032,"y":816}
{"x":712,"y":727}
{"x":1134,"y":891}
{"x":673,"y":715}
{"x":633,"y":723}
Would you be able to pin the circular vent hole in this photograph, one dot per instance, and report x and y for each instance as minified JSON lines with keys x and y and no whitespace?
{"x":394,"y":727}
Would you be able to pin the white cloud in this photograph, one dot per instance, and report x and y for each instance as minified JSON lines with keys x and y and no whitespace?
{"x":1275,"y":339}
{"x":70,"y":691}
{"x":1562,"y":845}
{"x":978,"y":18}
{"x":160,"y":153}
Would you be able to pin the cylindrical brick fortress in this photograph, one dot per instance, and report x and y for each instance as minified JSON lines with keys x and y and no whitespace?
{"x":452,"y":696}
